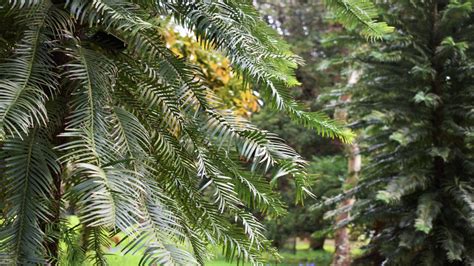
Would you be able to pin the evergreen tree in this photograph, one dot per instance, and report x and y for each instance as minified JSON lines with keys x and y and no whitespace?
{"x":315,"y":34}
{"x":415,"y":105}
{"x":97,"y":112}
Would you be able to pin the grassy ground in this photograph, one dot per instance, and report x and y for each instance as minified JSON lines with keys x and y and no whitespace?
{"x":303,"y":256}
{"x":124,"y":260}
{"x":300,"y":258}
{"x":319,"y":258}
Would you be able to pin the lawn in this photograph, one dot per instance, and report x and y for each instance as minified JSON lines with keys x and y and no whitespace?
{"x":289,"y":259}
{"x":303,"y":255}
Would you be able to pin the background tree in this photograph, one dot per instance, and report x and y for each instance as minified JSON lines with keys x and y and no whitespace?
{"x":342,"y":254}
{"x":414,"y":103}
{"x":304,"y":25}
{"x":217,"y":70}
{"x":320,"y":39}
{"x":304,"y":221}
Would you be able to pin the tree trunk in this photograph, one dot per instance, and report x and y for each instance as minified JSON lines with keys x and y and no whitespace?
{"x":342,"y":255}
{"x":316,"y":243}
{"x":53,"y":225}
{"x":295,"y":239}
{"x":52,"y":246}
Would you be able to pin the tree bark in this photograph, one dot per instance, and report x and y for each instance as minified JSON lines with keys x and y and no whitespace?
{"x":52,"y":246}
{"x":316,"y":243}
{"x":52,"y":242}
{"x":342,"y":255}
{"x":295,"y":239}
{"x":437,"y":89}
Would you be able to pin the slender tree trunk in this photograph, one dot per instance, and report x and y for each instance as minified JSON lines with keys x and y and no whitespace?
{"x":437,"y":89}
{"x":295,"y":239}
{"x":52,"y":246}
{"x":316,"y":243}
{"x":342,"y":255}
{"x":54,"y":223}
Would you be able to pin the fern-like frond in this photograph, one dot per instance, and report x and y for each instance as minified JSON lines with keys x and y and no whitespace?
{"x":93,"y":239}
{"x":29,"y":163}
{"x":27,"y":80}
{"x":124,"y":15}
{"x":260,"y":147}
{"x":161,"y":234}
{"x":129,"y":135}
{"x":362,"y":13}
{"x":254,"y":52}
{"x":91,"y":89}
{"x":428,"y":209}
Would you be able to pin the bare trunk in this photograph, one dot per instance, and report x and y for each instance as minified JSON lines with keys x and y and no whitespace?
{"x":295,"y":239}
{"x":316,"y":243}
{"x":53,"y":241}
{"x":342,"y":255}
{"x":52,"y":246}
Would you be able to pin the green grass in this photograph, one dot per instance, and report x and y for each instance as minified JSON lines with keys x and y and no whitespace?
{"x":318,"y":257}
{"x":303,"y":256}
{"x":124,"y":260}
{"x":219,"y":262}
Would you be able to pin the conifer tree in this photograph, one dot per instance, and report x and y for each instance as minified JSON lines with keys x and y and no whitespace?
{"x":415,"y":105}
